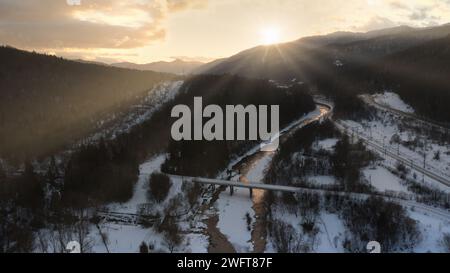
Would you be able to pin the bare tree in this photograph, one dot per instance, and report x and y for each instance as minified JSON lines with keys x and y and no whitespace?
{"x":285,"y":238}
{"x":446,"y":242}
{"x":81,"y":230}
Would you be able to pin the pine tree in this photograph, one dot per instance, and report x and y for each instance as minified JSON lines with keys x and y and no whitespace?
{"x":52,"y":172}
{"x":143,"y":248}
{"x":2,"y":173}
{"x":437,"y":156}
{"x":30,"y":190}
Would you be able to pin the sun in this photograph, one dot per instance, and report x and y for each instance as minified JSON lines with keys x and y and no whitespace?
{"x":270,"y":35}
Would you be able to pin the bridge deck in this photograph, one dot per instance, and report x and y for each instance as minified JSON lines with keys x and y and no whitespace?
{"x":249,"y":185}
{"x":257,"y":185}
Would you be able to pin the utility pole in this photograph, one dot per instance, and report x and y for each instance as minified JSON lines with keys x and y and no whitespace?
{"x":423,"y":172}
{"x":353,"y":135}
{"x":424,"y":163}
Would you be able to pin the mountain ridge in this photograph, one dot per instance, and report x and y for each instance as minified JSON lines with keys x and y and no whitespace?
{"x":176,"y":66}
{"x":371,"y":44}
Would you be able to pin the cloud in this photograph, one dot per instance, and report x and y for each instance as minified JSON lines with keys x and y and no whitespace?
{"x":377,"y":22}
{"x":398,"y":5}
{"x":178,"y":5}
{"x":44,"y":24}
{"x":415,"y":13}
{"x":201,"y":59}
{"x":423,"y":14}
{"x":158,"y":29}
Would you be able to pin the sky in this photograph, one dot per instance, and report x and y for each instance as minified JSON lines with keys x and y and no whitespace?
{"x":143,"y":31}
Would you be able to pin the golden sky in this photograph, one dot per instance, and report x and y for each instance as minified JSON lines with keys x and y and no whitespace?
{"x":150,"y":30}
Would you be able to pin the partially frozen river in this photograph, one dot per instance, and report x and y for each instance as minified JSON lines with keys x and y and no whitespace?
{"x":240,"y":220}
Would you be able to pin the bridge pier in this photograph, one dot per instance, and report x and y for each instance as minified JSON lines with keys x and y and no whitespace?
{"x":231,"y":190}
{"x":251,"y":193}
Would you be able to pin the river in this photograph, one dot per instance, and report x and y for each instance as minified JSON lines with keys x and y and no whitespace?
{"x":224,"y":223}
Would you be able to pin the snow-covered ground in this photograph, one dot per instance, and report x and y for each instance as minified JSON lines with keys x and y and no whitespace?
{"x":123,"y":238}
{"x":256,"y":174}
{"x":385,"y":128}
{"x":139,"y":113}
{"x":331,"y":236}
{"x":127,"y":238}
{"x":330,"y":231}
{"x":432,"y":230}
{"x":321,"y":180}
{"x":325,"y":144}
{"x":141,"y":187}
{"x":382,"y":179}
{"x":234,"y":210}
{"x":393,"y":101}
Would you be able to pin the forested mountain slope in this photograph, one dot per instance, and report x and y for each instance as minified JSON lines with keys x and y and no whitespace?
{"x":413,"y":62}
{"x":46,"y":101}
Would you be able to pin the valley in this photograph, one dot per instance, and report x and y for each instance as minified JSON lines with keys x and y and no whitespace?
{"x":318,"y":145}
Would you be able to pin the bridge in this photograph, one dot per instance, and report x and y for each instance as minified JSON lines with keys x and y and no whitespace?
{"x":261,"y":186}
{"x":236,"y":184}
{"x":402,"y":199}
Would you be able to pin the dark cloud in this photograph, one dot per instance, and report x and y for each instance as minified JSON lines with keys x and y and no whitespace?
{"x":423,"y":14}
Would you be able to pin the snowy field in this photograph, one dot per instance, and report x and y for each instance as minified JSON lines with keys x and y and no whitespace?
{"x":127,"y":238}
{"x":432,"y":230}
{"x":325,"y":144}
{"x":321,"y":180}
{"x":329,"y":237}
{"x":383,"y":180}
{"x":385,"y":128}
{"x":393,"y":101}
